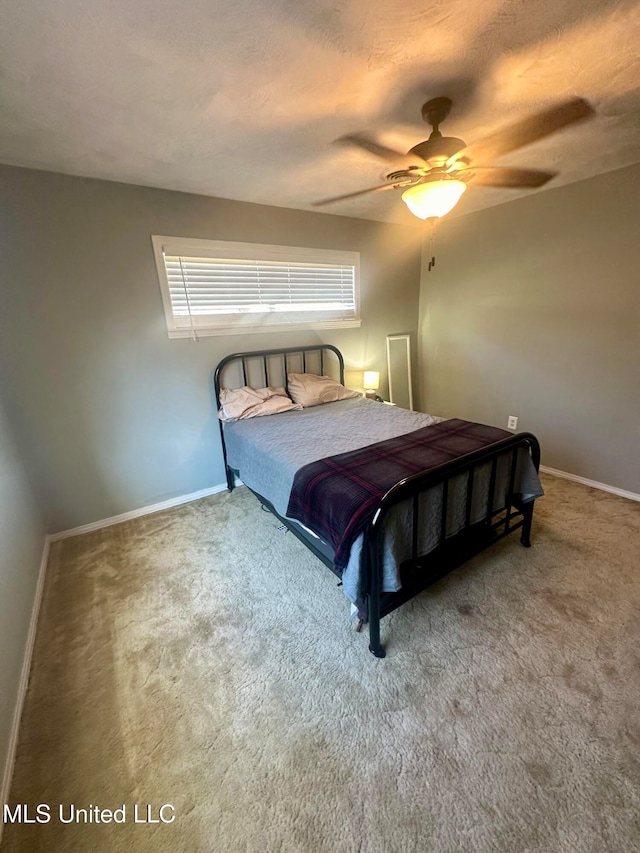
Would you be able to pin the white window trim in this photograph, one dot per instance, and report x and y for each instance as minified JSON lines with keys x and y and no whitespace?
{"x":253,"y":251}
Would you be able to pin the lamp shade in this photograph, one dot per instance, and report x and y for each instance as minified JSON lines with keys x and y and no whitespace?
{"x":371,"y":380}
{"x":433,"y":198}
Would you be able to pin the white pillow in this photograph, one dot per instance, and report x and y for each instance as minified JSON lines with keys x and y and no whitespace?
{"x":311,"y":390}
{"x":253,"y":402}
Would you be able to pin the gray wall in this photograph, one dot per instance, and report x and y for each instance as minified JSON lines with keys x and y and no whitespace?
{"x":22,"y":543}
{"x":533,"y":310}
{"x":110,"y":414}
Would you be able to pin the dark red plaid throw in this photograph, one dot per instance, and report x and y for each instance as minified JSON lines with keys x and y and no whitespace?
{"x":336,"y":497}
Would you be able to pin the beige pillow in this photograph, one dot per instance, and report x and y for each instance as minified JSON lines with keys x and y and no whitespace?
{"x":253,"y":402}
{"x":311,"y":390}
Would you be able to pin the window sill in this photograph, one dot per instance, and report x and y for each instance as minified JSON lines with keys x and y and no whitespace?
{"x":209,"y":331}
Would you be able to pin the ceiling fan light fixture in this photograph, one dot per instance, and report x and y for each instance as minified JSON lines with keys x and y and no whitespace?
{"x":433,"y":198}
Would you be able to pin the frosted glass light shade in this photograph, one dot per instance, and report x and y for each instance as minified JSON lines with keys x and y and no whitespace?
{"x":433,"y":198}
{"x":371,"y":380}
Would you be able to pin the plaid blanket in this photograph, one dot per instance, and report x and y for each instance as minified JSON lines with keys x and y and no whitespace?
{"x":336,"y":497}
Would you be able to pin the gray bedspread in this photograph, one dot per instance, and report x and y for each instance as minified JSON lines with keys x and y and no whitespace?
{"x":267,"y":452}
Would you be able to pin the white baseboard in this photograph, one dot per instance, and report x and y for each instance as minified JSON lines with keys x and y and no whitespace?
{"x":136,"y":513}
{"x":24,"y":681}
{"x":614,"y":490}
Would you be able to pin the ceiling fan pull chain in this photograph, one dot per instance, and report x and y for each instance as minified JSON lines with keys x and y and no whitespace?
{"x":432,"y":245}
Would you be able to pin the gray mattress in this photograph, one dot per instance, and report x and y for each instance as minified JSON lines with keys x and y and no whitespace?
{"x":267,"y":452}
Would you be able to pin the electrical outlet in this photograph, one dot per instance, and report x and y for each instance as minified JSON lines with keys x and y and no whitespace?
{"x":512,"y":423}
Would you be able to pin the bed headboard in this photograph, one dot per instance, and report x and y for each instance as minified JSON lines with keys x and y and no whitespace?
{"x":260,"y":368}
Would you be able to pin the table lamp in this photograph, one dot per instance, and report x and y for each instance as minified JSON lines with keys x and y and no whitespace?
{"x":371,"y":383}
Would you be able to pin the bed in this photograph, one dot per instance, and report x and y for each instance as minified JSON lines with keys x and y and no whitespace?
{"x":417,"y":522}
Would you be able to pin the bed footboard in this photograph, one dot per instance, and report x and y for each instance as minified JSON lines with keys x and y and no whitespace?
{"x":423,"y":569}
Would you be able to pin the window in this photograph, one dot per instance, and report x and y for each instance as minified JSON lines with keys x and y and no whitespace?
{"x":211,"y":287}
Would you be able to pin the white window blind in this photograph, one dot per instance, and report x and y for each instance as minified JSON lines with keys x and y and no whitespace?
{"x":216,"y":287}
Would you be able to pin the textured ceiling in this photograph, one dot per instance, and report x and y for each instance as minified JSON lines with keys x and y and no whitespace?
{"x":243,"y":99}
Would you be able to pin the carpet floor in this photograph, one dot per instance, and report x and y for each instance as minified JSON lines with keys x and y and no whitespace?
{"x":202,"y":658}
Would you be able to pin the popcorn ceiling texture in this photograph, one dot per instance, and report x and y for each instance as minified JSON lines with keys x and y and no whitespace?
{"x":203,"y":658}
{"x":242,"y":100}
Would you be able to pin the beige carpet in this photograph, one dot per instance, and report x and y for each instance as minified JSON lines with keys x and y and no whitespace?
{"x":201,"y":657}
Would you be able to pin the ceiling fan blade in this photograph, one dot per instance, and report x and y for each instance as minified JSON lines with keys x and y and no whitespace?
{"x":361,"y":140}
{"x":495,"y":176}
{"x":359,"y":192}
{"x":526,"y":131}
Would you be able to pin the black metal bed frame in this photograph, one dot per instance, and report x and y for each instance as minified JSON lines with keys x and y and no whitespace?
{"x":264,"y":355}
{"x":421,"y":570}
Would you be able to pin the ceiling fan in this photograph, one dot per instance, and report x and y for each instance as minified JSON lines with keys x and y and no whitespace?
{"x":435,"y":172}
